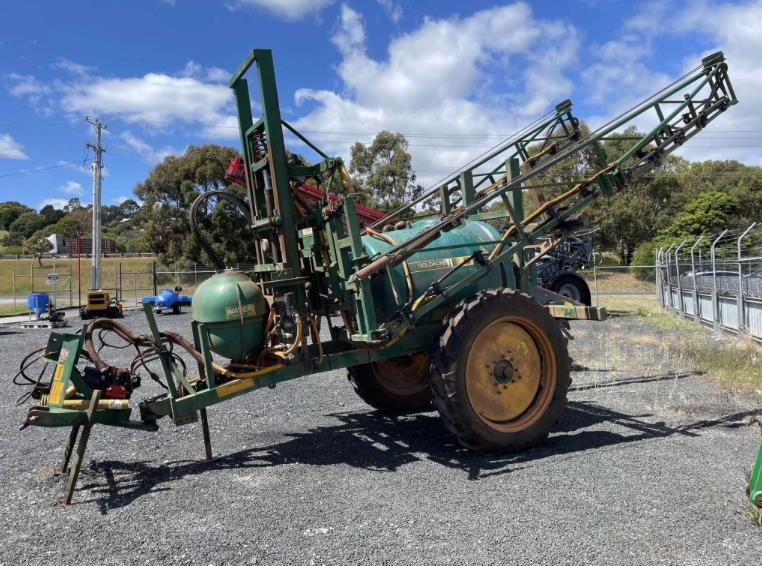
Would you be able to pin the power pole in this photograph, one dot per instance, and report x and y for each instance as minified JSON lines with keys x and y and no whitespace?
{"x":95,"y":275}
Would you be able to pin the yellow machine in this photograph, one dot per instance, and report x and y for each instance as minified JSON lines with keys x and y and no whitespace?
{"x":100,"y":304}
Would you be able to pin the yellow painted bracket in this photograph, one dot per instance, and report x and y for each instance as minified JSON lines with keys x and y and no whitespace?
{"x":570,"y":311}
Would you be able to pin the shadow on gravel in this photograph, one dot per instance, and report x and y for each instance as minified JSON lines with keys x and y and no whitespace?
{"x":380,"y":443}
{"x":618,"y":382}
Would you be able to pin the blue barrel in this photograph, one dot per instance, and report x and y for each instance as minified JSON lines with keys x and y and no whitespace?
{"x":167,"y":298}
{"x":37,"y":302}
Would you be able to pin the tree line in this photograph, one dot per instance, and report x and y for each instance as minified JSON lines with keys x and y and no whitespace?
{"x":27,"y":229}
{"x":679,"y":199}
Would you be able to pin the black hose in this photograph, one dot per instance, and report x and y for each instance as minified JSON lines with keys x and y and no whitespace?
{"x":192,"y":218}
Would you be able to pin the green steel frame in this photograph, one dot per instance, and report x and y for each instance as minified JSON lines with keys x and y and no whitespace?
{"x":318,"y":262}
{"x":755,"y":481}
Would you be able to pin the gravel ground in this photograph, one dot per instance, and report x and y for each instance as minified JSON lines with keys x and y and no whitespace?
{"x":647,"y":466}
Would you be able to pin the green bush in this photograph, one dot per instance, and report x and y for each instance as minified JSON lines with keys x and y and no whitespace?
{"x":644,"y":255}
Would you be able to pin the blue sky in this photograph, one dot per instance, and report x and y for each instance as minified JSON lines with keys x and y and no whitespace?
{"x":454,"y":76}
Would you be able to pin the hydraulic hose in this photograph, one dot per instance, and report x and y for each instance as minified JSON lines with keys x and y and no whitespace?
{"x":193,"y":220}
{"x":129,"y":336}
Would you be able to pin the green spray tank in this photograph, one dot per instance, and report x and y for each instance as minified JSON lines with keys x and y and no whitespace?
{"x":452,"y":248}
{"x":233,"y":311}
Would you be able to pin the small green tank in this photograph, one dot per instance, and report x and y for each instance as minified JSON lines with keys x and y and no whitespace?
{"x":233,"y":310}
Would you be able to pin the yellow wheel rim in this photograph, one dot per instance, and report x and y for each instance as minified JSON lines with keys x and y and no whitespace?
{"x":404,"y":376}
{"x":510,"y":374}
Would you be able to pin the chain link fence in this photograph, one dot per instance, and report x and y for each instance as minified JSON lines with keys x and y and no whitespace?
{"x":715,"y":281}
{"x":67,"y":282}
{"x":616,"y":287}
{"x":621,"y":288}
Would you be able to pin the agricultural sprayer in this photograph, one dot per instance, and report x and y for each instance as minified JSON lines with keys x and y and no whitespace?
{"x":444,"y":310}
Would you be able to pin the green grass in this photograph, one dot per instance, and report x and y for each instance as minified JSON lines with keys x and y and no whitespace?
{"x":737,"y":364}
{"x":7,"y":310}
{"x":616,"y":280}
{"x":24,"y":267}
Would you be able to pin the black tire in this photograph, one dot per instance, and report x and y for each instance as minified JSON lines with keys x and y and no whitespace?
{"x":83,"y":314}
{"x":479,"y":316}
{"x":384,"y":386}
{"x":572,"y":286}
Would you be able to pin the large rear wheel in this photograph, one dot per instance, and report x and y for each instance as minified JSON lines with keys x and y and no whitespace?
{"x":398,"y":385}
{"x":501,"y":371}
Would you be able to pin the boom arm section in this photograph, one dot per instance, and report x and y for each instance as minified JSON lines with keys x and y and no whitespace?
{"x":707,"y":92}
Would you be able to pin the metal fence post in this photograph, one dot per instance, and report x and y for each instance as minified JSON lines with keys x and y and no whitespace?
{"x":660,"y":275}
{"x":669,"y":277}
{"x":657,"y":276}
{"x":155,"y":277}
{"x":55,"y":285}
{"x":739,"y":297}
{"x":680,"y":303}
{"x":595,"y":282}
{"x":696,"y":308}
{"x":715,"y":297}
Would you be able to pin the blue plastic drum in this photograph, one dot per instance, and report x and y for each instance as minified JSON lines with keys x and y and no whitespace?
{"x":37,"y":302}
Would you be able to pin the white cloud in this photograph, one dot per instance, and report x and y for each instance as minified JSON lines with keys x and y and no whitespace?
{"x":72,"y":188}
{"x":619,"y":77}
{"x":392,"y":9}
{"x":735,"y":29}
{"x":191,"y":69}
{"x":34,"y":91}
{"x":351,"y":31}
{"x":72,"y":67}
{"x":480,"y":75}
{"x":212,"y":74}
{"x":58,"y":203}
{"x":217,"y":74}
{"x":149,"y":153}
{"x":169,"y":2}
{"x":10,"y":148}
{"x":290,"y":10}
{"x":156,"y":100}
{"x":121,"y":198}
{"x":27,"y":86}
{"x":622,"y":75}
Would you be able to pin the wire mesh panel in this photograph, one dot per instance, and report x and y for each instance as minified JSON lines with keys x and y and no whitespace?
{"x":688,"y":303}
{"x":706,"y":307}
{"x":721,"y":280}
{"x":728,"y":312}
{"x":754,"y":318}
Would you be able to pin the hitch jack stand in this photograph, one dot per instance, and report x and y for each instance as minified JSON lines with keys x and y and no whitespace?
{"x":69,"y":449}
{"x":76,"y":465}
{"x":205,"y":432}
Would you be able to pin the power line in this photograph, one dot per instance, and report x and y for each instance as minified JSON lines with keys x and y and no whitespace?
{"x":38,"y":169}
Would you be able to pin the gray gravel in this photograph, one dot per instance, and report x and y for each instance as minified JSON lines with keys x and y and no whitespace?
{"x":647,"y":467}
